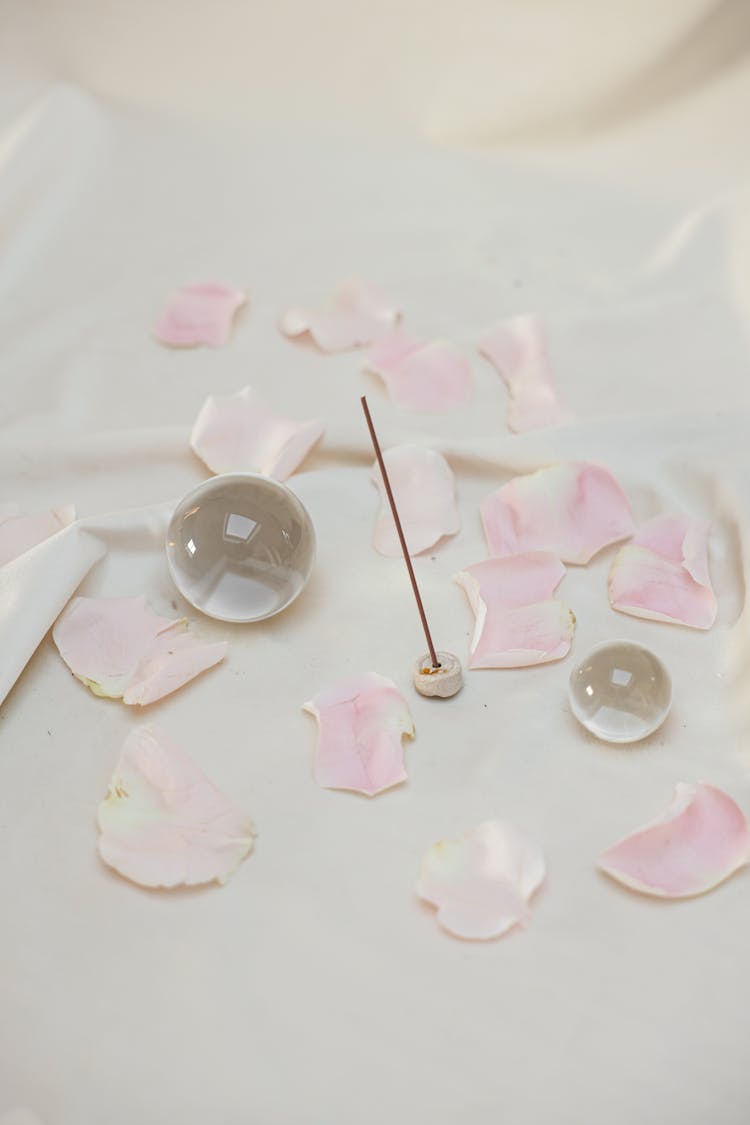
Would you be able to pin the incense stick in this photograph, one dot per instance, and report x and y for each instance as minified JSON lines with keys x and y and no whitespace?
{"x":400,"y":532}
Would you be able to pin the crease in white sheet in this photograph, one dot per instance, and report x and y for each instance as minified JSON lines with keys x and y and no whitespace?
{"x":96,"y":414}
{"x":45,"y":159}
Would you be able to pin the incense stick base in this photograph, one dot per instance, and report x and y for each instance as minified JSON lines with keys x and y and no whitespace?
{"x":442,"y":682}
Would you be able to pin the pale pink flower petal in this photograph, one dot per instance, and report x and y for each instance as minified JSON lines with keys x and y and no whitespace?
{"x":199,"y":314}
{"x":19,"y":533}
{"x":432,"y":376}
{"x":424,"y":488}
{"x":517,"y":620}
{"x":239,"y":434}
{"x":121,"y":649}
{"x":361,"y":721}
{"x":663,"y":573}
{"x":701,"y":839}
{"x":573,"y":509}
{"x":482,"y":882}
{"x":518,"y":349}
{"x":163,"y":823}
{"x":174,"y":660}
{"x":356,"y":314}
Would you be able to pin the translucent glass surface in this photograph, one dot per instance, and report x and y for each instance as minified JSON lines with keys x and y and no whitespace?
{"x":240,"y":547}
{"x":620,"y":691}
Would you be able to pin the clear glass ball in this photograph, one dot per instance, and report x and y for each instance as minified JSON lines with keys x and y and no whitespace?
{"x":620,"y":691}
{"x":240,"y":547}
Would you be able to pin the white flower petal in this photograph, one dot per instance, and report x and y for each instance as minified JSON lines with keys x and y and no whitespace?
{"x":424,"y":489}
{"x":240,"y":434}
{"x":518,"y":349}
{"x":121,"y":649}
{"x":356,"y":314}
{"x":163,"y":823}
{"x":481,"y":883}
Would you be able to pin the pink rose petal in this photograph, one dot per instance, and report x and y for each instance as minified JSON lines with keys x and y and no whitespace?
{"x":199,"y":314}
{"x":701,"y":839}
{"x":573,"y":509}
{"x":356,"y":314}
{"x":361,"y":721}
{"x":121,"y":649}
{"x":518,"y":349}
{"x":239,"y":434}
{"x":482,"y":882}
{"x":163,"y":823}
{"x":663,"y":573}
{"x":517,"y":621}
{"x":431,"y":376}
{"x":424,"y":488}
{"x":19,"y":533}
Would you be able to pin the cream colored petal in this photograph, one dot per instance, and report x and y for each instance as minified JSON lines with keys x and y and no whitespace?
{"x":240,"y":434}
{"x":356,"y":314}
{"x":121,"y":649}
{"x":163,"y":823}
{"x":481,"y":883}
{"x":517,"y":348}
{"x":424,"y":489}
{"x":173,"y":661}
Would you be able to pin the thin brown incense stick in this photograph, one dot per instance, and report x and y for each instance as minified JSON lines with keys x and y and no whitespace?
{"x":400,"y":532}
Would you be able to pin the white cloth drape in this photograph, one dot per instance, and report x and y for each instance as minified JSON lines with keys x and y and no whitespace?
{"x":281,"y":148}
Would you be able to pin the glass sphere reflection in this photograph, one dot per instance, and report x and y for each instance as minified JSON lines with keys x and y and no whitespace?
{"x":240,"y":547}
{"x":620,"y":691}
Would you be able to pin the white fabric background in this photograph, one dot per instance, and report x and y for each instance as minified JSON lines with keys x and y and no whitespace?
{"x":314,"y":988}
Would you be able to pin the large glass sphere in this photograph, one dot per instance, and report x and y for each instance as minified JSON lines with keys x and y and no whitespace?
{"x":240,"y":547}
{"x":620,"y":691}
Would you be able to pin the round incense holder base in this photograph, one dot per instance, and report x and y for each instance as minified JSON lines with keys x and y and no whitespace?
{"x":442,"y":682}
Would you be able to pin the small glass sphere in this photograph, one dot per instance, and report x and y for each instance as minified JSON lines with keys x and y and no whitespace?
{"x":240,"y":547}
{"x":620,"y":691}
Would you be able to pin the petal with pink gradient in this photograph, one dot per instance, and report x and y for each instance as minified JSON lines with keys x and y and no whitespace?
{"x":199,"y":314}
{"x":573,"y":509}
{"x":424,"y":489}
{"x":517,"y":621}
{"x":240,"y":434}
{"x":163,"y":823}
{"x":482,"y":882}
{"x":20,"y":532}
{"x":432,"y":376}
{"x":662,"y":574}
{"x":361,"y":722}
{"x":517,"y":348}
{"x":701,"y":839}
{"x":356,"y":314}
{"x":121,"y":649}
